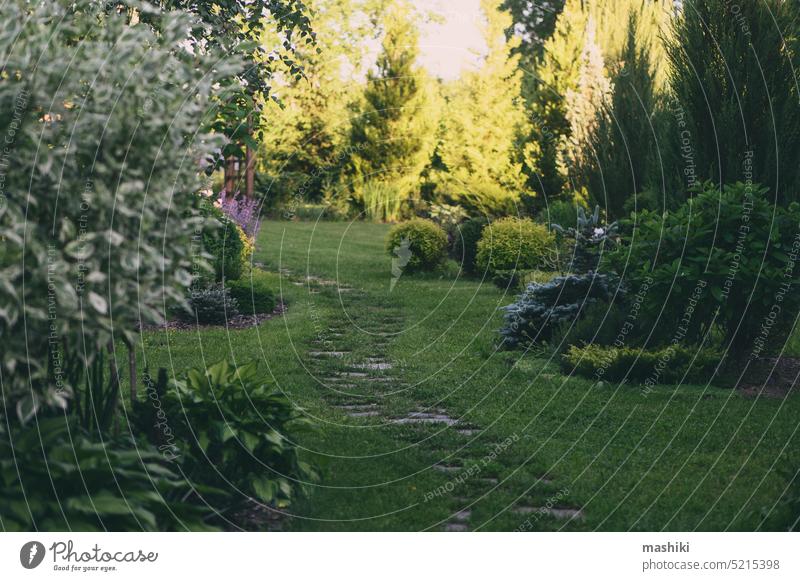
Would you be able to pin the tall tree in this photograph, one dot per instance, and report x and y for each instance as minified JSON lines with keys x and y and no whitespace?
{"x":583,"y":104}
{"x":557,"y":73}
{"x":482,"y":124}
{"x":533,"y":22}
{"x":237,"y":28}
{"x":562,"y":65}
{"x":392,"y":134}
{"x":304,"y":134}
{"x":621,"y":160}
{"x":735,"y":93}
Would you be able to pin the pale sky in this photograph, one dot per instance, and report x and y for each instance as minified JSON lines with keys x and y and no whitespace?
{"x":448,"y":47}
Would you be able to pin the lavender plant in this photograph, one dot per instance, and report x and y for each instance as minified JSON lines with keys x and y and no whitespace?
{"x":242,"y":210}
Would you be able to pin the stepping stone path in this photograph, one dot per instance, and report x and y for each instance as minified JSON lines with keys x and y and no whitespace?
{"x":371,"y":379}
{"x":560,"y":513}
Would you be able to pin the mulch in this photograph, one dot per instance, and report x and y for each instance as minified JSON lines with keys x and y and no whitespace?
{"x":235,"y":323}
{"x":774,"y":377}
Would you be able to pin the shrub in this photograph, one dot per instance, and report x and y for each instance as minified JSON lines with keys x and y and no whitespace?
{"x":226,"y":242}
{"x":234,"y":429}
{"x":599,"y":324}
{"x":253,"y":293}
{"x":514,"y":244}
{"x":589,"y":238}
{"x":673,"y":364}
{"x":562,"y":212}
{"x":723,"y":262}
{"x":121,"y":486}
{"x":465,"y":243}
{"x":124,"y":205}
{"x":542,"y":308}
{"x":211,"y":306}
{"x":426,"y":241}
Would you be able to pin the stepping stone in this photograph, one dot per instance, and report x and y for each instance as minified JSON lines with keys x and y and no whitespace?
{"x":318,"y":354}
{"x":357,"y":407}
{"x":448,"y":468}
{"x":374,"y":366}
{"x":489,"y":480}
{"x":357,"y":374}
{"x":370,"y":414}
{"x":558,"y":513}
{"x":462,"y":515}
{"x":426,"y":418}
{"x":468,"y":431}
{"x":456,"y":528}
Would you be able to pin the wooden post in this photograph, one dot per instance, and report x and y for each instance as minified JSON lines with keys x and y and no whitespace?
{"x":250,"y":173}
{"x":250,"y":158}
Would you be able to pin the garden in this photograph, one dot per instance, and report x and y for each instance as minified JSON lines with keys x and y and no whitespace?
{"x":263,"y":270}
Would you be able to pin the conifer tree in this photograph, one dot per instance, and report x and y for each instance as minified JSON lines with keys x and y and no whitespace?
{"x":392,"y":134}
{"x":557,"y":72}
{"x":304,"y":135}
{"x":563,"y":66}
{"x":481,"y":126}
{"x":734,"y":102}
{"x":583,"y":104}
{"x":622,"y":158}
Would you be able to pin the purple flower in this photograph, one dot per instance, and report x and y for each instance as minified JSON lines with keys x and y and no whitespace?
{"x":242,"y":210}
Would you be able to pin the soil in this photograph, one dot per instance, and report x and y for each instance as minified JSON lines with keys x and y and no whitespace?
{"x":771,"y":377}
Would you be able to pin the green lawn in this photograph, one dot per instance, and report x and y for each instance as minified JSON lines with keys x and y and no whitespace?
{"x":688,"y":458}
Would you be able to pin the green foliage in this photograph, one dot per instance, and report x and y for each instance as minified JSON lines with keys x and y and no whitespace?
{"x":734,"y":104}
{"x":211,"y":305}
{"x":465,"y":243}
{"x":599,"y":324}
{"x":723,"y":261}
{"x":235,"y":430}
{"x":534,"y":22}
{"x":99,"y":211}
{"x":426,"y":242}
{"x":244,"y":31}
{"x":561,"y":104}
{"x":253,"y":293}
{"x":589,"y":238}
{"x":545,"y":307}
{"x":392,"y":133}
{"x":380,"y":201}
{"x":481,"y":167}
{"x":226,"y":242}
{"x":54,"y":479}
{"x":623,"y":159}
{"x":304,"y":136}
{"x":673,"y":364}
{"x":514,"y":244}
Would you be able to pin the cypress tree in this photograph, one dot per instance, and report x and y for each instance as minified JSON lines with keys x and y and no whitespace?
{"x":481,"y":126}
{"x":734,"y":102}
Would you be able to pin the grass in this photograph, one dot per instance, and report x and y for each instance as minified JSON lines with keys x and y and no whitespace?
{"x":676,"y":458}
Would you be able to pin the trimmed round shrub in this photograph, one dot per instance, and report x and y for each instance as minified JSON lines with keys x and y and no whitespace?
{"x":226,"y":242}
{"x":420,"y":244}
{"x":465,"y":243}
{"x":253,"y":293}
{"x":514,"y":244}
